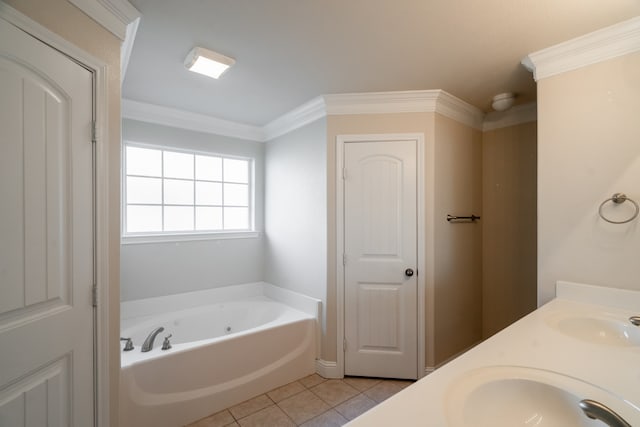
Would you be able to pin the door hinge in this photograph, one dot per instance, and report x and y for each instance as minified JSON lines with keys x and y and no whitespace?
{"x":94,"y":132}
{"x":344,"y":173}
{"x":344,"y":259}
{"x":94,"y":295}
{"x":344,"y":345}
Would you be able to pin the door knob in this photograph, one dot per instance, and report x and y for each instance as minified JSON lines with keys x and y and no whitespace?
{"x":408,"y":272}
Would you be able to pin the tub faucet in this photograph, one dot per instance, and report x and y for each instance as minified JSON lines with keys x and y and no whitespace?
{"x":148,"y":343}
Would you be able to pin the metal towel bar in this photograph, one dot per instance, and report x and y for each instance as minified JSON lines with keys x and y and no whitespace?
{"x":617,"y":199}
{"x":453,"y":218}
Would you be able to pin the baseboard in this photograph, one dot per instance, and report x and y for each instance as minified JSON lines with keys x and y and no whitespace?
{"x":428,"y":370}
{"x":328,"y":369}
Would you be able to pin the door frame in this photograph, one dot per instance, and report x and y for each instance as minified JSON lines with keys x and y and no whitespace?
{"x":99,"y":70}
{"x":424,"y":193}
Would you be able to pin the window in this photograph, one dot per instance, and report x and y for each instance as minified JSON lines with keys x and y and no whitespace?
{"x":176,"y":192}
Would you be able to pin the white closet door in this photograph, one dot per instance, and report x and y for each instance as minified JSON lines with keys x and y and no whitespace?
{"x":46,"y":235}
{"x":380,"y":225}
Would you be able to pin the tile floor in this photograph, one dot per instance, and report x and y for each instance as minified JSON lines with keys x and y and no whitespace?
{"x":312,"y":401}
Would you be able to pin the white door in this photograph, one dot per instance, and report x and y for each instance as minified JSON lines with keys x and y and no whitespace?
{"x":46,"y":235}
{"x":380,"y":246}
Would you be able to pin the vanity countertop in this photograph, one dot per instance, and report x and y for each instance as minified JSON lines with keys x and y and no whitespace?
{"x":583,"y":338}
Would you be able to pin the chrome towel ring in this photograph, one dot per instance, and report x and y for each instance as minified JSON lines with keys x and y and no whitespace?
{"x":619,"y":198}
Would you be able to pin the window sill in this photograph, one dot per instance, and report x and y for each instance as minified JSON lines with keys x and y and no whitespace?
{"x":168,"y":238}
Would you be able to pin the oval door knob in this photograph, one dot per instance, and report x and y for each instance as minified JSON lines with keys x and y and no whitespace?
{"x":408,"y":272}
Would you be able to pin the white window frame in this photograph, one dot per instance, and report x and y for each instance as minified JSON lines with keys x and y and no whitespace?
{"x":175,"y":236}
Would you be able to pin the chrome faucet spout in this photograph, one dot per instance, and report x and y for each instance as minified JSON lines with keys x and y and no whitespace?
{"x":148,"y":343}
{"x":597,"y":411}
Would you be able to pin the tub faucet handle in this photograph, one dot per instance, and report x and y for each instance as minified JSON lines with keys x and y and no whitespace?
{"x":128,"y":346}
{"x":166,"y":345}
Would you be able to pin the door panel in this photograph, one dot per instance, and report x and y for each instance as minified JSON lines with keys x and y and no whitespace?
{"x":46,"y":224}
{"x":380,"y":244}
{"x":376,"y":332}
{"x":39,"y":398}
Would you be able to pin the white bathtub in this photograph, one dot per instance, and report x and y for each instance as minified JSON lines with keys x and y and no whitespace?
{"x":228,"y":345}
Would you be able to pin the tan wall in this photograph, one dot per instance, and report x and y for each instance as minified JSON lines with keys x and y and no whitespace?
{"x":458,"y":247}
{"x":453,"y":257}
{"x":345,"y":125}
{"x":588,"y":149}
{"x":508,"y":225}
{"x":70,"y":23}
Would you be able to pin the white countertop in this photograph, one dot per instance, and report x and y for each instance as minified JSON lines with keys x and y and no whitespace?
{"x":602,"y":362}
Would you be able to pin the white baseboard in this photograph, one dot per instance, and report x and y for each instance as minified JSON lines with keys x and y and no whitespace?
{"x":328,"y":369}
{"x":428,"y":370}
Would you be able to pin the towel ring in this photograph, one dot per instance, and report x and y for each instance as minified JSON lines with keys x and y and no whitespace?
{"x":619,"y":198}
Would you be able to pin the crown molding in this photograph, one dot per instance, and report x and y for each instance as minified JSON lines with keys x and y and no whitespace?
{"x":519,"y":114}
{"x":459,"y":110}
{"x":429,"y":101}
{"x":166,"y":116}
{"x":306,"y":113}
{"x":601,"y":45}
{"x":381,"y":102}
{"x":114,"y":15}
{"x":415,"y":101}
{"x":127,"y":47}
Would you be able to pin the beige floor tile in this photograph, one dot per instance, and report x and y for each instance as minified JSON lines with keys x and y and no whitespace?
{"x":303,"y":406}
{"x":328,"y":419}
{"x":334,"y":392}
{"x":220,"y":419}
{"x":268,"y":417}
{"x":250,"y":406}
{"x":361,"y":383}
{"x":355,"y":406}
{"x":312,"y":380}
{"x":382,"y":391}
{"x":401,"y":383}
{"x":286,"y":391}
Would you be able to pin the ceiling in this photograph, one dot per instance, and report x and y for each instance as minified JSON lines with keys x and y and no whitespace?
{"x":290,"y":51}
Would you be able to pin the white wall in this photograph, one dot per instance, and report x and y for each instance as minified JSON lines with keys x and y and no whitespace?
{"x":588,"y":149}
{"x":154,"y":269}
{"x":295,"y":211}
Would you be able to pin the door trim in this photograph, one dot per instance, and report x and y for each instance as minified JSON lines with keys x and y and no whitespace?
{"x":101,"y":192}
{"x":423,"y":193}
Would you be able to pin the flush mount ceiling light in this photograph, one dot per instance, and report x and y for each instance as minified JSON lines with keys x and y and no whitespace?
{"x":503,"y":101}
{"x":207,"y":62}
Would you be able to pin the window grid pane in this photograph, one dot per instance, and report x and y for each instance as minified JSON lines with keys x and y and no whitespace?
{"x":203,"y":193}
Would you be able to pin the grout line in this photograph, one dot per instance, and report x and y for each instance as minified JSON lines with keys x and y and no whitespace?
{"x":306,"y":388}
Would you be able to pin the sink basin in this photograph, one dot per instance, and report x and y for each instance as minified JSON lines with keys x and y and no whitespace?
{"x":505,"y":396}
{"x":598,"y":329}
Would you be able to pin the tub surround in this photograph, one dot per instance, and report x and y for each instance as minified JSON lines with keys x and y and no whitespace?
{"x":581,"y":342}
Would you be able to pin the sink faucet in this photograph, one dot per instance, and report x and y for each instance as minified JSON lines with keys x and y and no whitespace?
{"x":635,"y":320}
{"x":597,"y":411}
{"x":148,"y":343}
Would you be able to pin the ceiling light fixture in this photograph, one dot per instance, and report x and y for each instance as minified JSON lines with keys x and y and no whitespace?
{"x":503,"y":101}
{"x":207,"y":62}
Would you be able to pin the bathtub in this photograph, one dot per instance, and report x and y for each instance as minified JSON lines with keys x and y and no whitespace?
{"x":228,"y":345}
